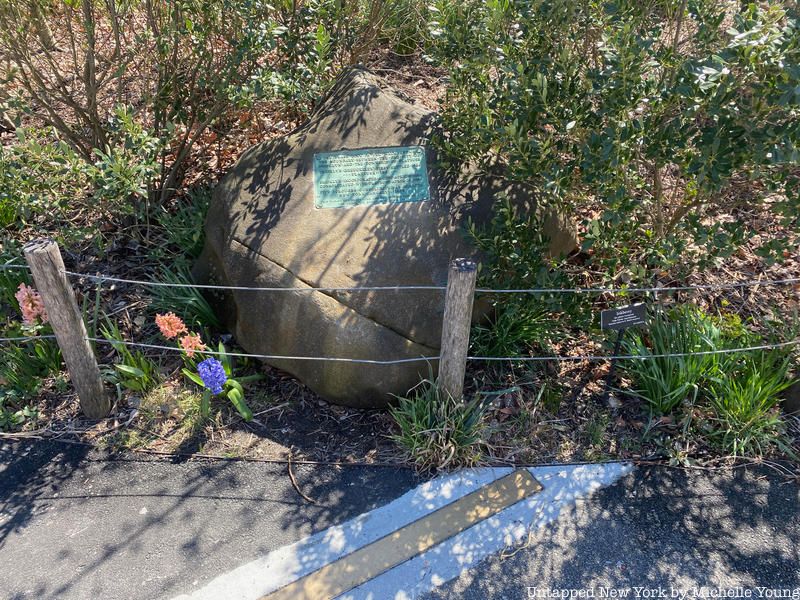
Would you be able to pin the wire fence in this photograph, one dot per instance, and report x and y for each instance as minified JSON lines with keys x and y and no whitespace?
{"x":367,"y":361}
{"x":585,"y":290}
{"x":27,"y":338}
{"x":588,"y":358}
{"x":632,"y":290}
{"x":597,"y":358}
{"x":101,"y":278}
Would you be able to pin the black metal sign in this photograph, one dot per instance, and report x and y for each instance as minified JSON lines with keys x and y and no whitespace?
{"x":619,"y":319}
{"x":623,"y":317}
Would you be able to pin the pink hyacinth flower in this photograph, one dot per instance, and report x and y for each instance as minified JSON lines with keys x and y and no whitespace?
{"x":170,"y":325}
{"x":191,"y":343}
{"x":30,"y":304}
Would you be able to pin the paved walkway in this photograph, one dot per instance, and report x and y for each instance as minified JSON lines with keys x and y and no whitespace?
{"x":658,"y":533}
{"x":74,"y":525}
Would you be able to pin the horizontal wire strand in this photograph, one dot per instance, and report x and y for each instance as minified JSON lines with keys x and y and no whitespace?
{"x":619,"y":290}
{"x":711,"y":286}
{"x":635,"y":356}
{"x":473,"y":358}
{"x":367,"y":361}
{"x":29,"y":338}
{"x":102,"y":278}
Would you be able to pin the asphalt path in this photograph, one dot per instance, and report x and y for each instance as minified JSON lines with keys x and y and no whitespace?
{"x":656,"y":533}
{"x":76,"y":525}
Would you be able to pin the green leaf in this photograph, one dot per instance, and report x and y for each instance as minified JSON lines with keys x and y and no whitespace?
{"x":205,"y":404}
{"x":233,"y":384}
{"x":128,"y":370}
{"x":193,"y":377}
{"x":237,"y":399}
{"x":225,"y":360}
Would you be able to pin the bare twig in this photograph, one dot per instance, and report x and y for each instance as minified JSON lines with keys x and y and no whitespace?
{"x":294,"y":481}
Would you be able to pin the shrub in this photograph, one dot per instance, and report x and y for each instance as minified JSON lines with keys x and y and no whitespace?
{"x":515,"y":255}
{"x":182,"y":64}
{"x":437,"y":431}
{"x":42,"y":177}
{"x":405,"y":28}
{"x":641,"y":118}
{"x":39,"y":177}
{"x":126,"y":168}
{"x":11,"y":277}
{"x":320,"y":37}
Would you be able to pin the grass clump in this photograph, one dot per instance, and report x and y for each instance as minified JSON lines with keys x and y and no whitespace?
{"x":511,"y":329}
{"x":516,"y":254}
{"x":24,"y":365}
{"x":166,"y":413}
{"x":184,"y":228}
{"x":664,"y":383}
{"x":134,"y":371}
{"x":186,"y":301}
{"x":745,"y":414}
{"x":23,"y":368}
{"x":438,"y":432}
{"x":731,"y":399}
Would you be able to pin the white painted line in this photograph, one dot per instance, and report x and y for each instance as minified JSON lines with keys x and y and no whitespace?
{"x":407,"y":542}
{"x":285,"y":565}
{"x":562,"y":486}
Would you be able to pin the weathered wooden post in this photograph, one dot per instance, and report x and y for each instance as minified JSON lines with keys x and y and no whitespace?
{"x":455,"y":328}
{"x":47,"y":266}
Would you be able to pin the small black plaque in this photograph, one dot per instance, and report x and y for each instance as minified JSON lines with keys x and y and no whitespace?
{"x":623,"y":317}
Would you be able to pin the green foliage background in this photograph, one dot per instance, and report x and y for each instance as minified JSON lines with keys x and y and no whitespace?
{"x":648,"y":120}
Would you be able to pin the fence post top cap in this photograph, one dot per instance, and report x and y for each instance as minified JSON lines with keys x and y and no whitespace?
{"x":38,"y":245}
{"x":463,"y":265}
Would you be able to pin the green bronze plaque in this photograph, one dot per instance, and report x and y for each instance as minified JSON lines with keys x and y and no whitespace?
{"x":370,"y":176}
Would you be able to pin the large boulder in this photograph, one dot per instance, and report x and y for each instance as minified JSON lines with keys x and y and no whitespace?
{"x":264,"y":230}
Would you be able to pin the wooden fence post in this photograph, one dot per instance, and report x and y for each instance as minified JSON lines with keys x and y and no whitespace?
{"x":456,"y":325}
{"x":47,"y":266}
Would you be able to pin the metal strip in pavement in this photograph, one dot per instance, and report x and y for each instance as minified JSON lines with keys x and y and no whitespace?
{"x":286,"y":564}
{"x":563,"y":486}
{"x":386,"y":553}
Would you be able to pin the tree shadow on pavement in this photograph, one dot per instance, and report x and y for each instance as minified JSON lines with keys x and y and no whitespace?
{"x":28,"y":471}
{"x":131,"y":528}
{"x":658,"y":527}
